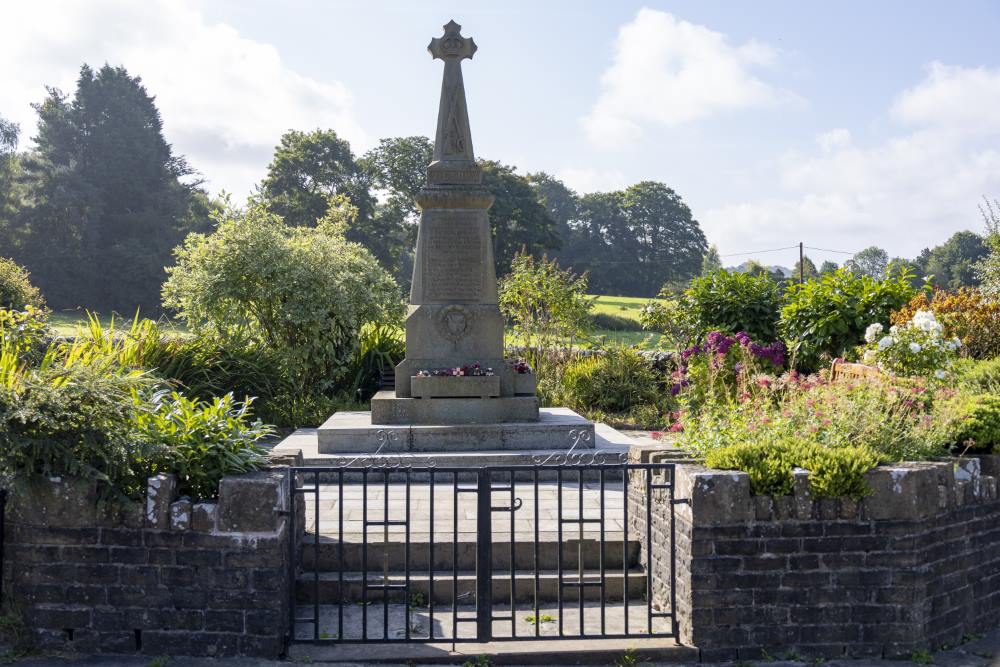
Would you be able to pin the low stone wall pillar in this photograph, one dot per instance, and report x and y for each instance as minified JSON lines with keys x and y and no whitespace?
{"x":166,"y":576}
{"x":915,"y":565}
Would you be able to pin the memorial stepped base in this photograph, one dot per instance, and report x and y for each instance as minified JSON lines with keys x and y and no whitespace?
{"x":356,"y":433}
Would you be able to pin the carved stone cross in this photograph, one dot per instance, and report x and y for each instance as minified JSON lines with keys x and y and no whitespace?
{"x":452,"y":45}
{"x":453,"y":139}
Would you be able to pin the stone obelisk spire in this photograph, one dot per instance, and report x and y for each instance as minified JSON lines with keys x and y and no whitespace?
{"x":454,"y":319}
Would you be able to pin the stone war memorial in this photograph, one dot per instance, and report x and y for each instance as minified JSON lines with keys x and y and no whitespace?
{"x":457,"y":519}
{"x":455,"y":390}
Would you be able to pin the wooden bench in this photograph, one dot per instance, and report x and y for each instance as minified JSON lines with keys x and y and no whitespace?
{"x":851,"y":371}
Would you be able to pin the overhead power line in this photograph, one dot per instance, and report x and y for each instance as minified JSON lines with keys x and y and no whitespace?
{"x":758,"y":252}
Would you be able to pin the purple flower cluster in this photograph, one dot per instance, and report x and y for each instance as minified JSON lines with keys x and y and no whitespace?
{"x":718,"y":344}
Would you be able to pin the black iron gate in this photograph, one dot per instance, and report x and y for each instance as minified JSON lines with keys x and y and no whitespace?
{"x":558,"y":549}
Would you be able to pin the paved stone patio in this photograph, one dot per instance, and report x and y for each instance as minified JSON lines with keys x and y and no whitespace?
{"x":444,"y":504}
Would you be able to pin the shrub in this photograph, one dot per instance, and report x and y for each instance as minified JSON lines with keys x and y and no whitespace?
{"x":914,"y":348}
{"x":16,"y":291}
{"x":380,"y":348}
{"x":827,"y":316}
{"x":979,"y":376}
{"x":965,"y":313}
{"x":615,"y":381}
{"x":304,"y":293}
{"x":26,"y":331}
{"x":723,"y":367}
{"x":69,"y":415}
{"x":832,"y":472}
{"x":200,"y":441}
{"x":548,"y":306}
{"x":725,"y":301}
{"x":977,"y":423}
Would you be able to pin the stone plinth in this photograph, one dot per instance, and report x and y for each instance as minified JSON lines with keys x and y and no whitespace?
{"x":455,"y":387}
{"x":388,"y":409}
{"x":355,"y":432}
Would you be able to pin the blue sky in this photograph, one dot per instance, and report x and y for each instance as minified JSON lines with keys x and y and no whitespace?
{"x":839,"y":124}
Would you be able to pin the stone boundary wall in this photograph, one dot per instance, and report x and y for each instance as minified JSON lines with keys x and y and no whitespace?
{"x":166,"y":577}
{"x":915,"y":565}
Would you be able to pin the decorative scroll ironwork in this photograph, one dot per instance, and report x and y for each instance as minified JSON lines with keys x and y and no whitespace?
{"x":580,"y":457}
{"x":388,"y":460}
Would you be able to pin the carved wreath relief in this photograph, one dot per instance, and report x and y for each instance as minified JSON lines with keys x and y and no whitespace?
{"x":455,"y":322}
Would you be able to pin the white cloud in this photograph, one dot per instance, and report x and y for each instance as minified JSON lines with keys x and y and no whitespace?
{"x":907,"y":191}
{"x":584,"y":180}
{"x":667,"y":71}
{"x":225,"y":99}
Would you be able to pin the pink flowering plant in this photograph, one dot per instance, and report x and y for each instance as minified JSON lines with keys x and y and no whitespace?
{"x":724,"y":366}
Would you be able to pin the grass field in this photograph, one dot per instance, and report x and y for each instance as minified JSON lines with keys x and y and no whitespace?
{"x":623,"y":306}
{"x":65,"y":323}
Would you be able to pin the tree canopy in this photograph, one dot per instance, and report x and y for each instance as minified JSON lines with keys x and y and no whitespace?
{"x":106,"y":199}
{"x":953,"y":263}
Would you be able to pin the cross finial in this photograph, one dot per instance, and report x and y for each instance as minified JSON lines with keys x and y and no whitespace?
{"x":452,"y":46}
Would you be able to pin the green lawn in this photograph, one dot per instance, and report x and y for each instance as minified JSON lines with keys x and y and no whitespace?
{"x":66,"y":322}
{"x":623,"y":306}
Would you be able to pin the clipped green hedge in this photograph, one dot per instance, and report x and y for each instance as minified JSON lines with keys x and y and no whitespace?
{"x":833,"y":472}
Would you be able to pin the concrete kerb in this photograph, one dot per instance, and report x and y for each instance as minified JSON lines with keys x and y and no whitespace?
{"x":533,"y":652}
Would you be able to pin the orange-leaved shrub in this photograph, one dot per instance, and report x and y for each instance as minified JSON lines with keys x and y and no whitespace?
{"x":965,"y":313}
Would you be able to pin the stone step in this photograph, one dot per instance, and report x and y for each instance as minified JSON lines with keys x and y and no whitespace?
{"x":328,"y":586}
{"x":327,"y":555}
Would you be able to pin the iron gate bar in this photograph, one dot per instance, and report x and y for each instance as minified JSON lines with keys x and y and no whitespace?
{"x":484,"y":490}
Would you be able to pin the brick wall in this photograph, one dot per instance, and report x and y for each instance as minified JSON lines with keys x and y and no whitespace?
{"x":915,"y":565}
{"x":167,"y":577}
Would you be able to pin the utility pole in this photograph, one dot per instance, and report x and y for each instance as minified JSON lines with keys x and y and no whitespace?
{"x":802,"y":264}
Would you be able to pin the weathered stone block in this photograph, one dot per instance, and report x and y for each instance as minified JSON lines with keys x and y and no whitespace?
{"x":455,"y":386}
{"x":55,"y":501}
{"x":160,"y":492}
{"x":716,"y":497}
{"x":180,"y":514}
{"x":902,"y":492}
{"x":203,"y":516}
{"x":251,"y":503}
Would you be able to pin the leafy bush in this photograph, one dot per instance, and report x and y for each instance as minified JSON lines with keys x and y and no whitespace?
{"x":914,"y":348}
{"x":71,"y":415}
{"x":979,"y":376}
{"x":26,"y":331}
{"x":200,"y":441}
{"x":977,"y":423}
{"x":381,"y":347}
{"x":615,"y":381}
{"x":724,"y":301}
{"x":16,"y":290}
{"x":303,"y":293}
{"x":548,"y":307}
{"x":827,"y":316}
{"x":832,"y":472}
{"x":965,"y":313}
{"x":724,"y":367}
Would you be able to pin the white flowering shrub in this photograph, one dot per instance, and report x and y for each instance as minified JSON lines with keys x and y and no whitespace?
{"x":917,"y":347}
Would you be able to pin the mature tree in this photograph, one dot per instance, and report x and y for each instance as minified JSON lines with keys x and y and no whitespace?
{"x":560,"y":201}
{"x":827,"y":267}
{"x":872,"y":261}
{"x":8,"y":175}
{"x":755,"y":268}
{"x":988,"y":269}
{"x":519,"y":221}
{"x":108,"y":199}
{"x":308,"y":168}
{"x":396,"y":169}
{"x":953,"y":263}
{"x":808,"y":270}
{"x":637,"y":240}
{"x":711,"y":261}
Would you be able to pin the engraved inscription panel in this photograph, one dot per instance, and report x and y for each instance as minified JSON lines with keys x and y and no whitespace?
{"x":453,"y":260}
